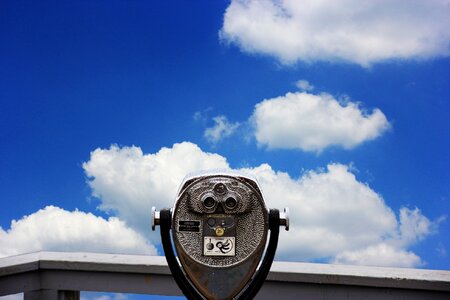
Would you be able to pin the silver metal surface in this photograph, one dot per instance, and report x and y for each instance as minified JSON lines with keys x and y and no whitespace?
{"x":155,"y":218}
{"x":284,"y":218}
{"x":219,"y":212}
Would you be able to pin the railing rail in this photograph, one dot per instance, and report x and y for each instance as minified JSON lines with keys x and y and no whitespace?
{"x":56,"y":275}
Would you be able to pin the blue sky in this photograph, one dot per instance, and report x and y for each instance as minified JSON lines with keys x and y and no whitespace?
{"x":341,"y":113}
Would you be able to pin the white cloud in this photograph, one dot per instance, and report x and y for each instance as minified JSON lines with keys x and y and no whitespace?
{"x":371,"y":255}
{"x":314,"y":122}
{"x":202,"y":116}
{"x":348,"y":30}
{"x":304,"y":85}
{"x":55,"y":229}
{"x":129,"y":182}
{"x":333,"y":215}
{"x":221,"y":129}
{"x":337,"y":217}
{"x":325,"y":206}
{"x":414,"y":226}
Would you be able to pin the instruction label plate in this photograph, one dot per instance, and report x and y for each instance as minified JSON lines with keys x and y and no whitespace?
{"x":188,"y":225}
{"x":219,"y":246}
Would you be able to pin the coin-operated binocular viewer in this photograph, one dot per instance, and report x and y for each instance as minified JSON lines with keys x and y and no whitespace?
{"x":220,"y":226}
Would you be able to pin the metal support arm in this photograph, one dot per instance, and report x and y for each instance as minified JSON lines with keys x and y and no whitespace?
{"x":254,"y":285}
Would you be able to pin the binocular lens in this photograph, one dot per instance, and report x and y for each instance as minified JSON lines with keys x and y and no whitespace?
{"x":230,"y":202}
{"x":209,"y":202}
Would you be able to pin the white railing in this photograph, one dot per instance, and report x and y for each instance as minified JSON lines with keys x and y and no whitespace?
{"x":56,"y":275}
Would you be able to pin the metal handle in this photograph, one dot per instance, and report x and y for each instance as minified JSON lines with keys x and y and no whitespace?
{"x":284,"y":218}
{"x":155,"y":218}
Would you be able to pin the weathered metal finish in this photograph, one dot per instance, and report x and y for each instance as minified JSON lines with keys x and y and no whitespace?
{"x":229,"y":224}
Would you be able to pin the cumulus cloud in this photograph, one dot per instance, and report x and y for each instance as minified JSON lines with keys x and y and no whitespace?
{"x":222,"y":128}
{"x":354,"y":31}
{"x":129,"y":183}
{"x":334,"y":216}
{"x":314,"y":122}
{"x":55,"y":229}
{"x":370,"y":256}
{"x":414,"y":226}
{"x":337,"y":217}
